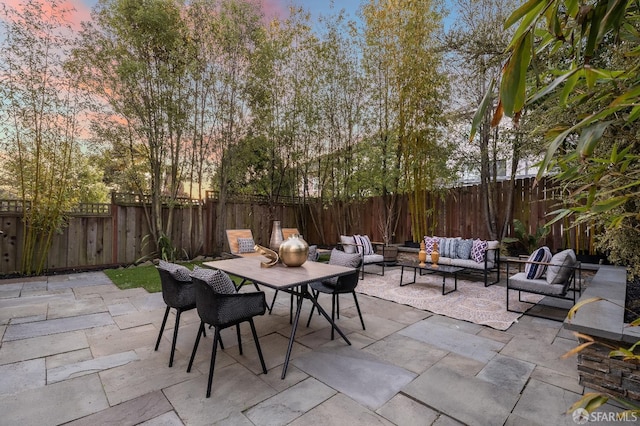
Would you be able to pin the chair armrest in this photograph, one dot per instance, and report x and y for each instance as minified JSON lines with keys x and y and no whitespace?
{"x":233,"y":308}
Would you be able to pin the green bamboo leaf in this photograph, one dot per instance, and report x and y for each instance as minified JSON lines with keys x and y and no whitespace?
{"x":596,"y":403}
{"x":529,"y":7}
{"x":559,"y":215}
{"x":572,"y":7}
{"x":580,"y":304}
{"x":482,"y":109}
{"x":526,"y":26}
{"x":634,"y":114}
{"x":609,"y":204}
{"x":594,"y":30}
{"x":513,"y":85}
{"x":585,"y":401}
{"x":612,"y":19}
{"x":551,"y":150}
{"x":590,"y":136}
{"x":621,"y":352}
{"x":569,"y":86}
{"x":553,"y":85}
{"x":630,"y":96}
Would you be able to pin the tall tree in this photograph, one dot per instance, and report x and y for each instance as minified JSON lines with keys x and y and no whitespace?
{"x":477,"y":45}
{"x":40,"y":111}
{"x":404,"y":55}
{"x":135,"y":56}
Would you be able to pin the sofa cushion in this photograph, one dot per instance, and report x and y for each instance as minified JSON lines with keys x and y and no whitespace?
{"x":448,"y":247}
{"x":533,"y":270}
{"x":561,"y":267}
{"x":218,"y":280}
{"x":479,"y":249}
{"x":463,"y":250}
{"x":348,"y":244}
{"x":246,"y":245}
{"x":520,"y":281}
{"x":178,"y":272}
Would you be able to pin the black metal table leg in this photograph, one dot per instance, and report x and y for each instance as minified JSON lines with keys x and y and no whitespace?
{"x":305,"y":294}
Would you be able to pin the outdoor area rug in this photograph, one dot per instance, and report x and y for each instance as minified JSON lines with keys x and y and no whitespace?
{"x":472,"y":301}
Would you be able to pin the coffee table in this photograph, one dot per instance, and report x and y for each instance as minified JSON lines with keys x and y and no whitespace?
{"x":428,"y":268}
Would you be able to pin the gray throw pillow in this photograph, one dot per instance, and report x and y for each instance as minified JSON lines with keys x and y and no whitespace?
{"x":218,"y":280}
{"x":178,"y":272}
{"x":338,"y":257}
{"x":464,"y":249}
{"x":348,"y":244}
{"x":560,"y":267}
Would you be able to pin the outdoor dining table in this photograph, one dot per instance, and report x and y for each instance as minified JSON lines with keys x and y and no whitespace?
{"x":293,"y":280}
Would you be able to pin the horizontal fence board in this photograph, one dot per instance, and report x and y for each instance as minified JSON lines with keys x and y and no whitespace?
{"x":118,"y":233}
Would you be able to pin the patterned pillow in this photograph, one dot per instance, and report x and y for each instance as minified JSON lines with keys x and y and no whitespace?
{"x":313,"y":253}
{"x":246,"y":245}
{"x":338,"y":257}
{"x":363,"y":246}
{"x":464,"y":249}
{"x":178,"y":272}
{"x":218,"y":280}
{"x":429,"y":242}
{"x":535,"y":271}
{"x":348,"y":244}
{"x":479,"y":249}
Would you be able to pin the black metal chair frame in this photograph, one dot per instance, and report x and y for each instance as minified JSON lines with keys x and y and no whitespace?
{"x":345,"y":284}
{"x":222,"y":311}
{"x":573,"y":284}
{"x":179,"y":295}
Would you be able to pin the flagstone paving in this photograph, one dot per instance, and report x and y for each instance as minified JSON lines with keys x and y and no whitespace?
{"x":76,"y":350}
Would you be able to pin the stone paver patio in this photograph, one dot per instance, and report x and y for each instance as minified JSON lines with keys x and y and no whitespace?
{"x":77,"y":350}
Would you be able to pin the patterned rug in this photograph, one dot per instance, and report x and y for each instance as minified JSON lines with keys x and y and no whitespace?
{"x":472,"y":301}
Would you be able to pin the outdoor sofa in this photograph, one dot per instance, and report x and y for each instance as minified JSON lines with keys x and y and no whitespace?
{"x":474,"y":255}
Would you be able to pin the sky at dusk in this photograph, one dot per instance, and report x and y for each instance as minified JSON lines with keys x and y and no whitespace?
{"x":271,"y":7}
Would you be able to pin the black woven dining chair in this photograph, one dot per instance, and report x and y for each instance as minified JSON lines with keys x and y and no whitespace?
{"x":178,"y":292}
{"x":340,"y":285}
{"x":223,"y":309}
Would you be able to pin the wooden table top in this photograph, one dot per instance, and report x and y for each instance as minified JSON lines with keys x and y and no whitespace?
{"x":279,"y":276}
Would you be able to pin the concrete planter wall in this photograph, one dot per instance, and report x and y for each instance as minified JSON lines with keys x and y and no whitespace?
{"x":604,"y":321}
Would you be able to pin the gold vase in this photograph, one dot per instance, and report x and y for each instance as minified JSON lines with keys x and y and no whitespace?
{"x":435,"y":255}
{"x":294,"y":251}
{"x":276,"y":236}
{"x":422,"y":254}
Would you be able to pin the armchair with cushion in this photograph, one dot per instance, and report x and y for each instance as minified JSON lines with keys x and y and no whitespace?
{"x":339,"y":285}
{"x":220,"y":306}
{"x":178,"y":292}
{"x":556,"y":278}
{"x":371,"y":253}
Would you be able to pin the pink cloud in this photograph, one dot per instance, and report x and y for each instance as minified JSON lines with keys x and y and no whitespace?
{"x":275,"y":8}
{"x":78,"y":10}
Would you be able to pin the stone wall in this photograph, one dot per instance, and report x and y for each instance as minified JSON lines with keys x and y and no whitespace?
{"x":613,"y":376}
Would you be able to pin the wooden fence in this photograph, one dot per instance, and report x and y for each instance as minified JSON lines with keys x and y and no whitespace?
{"x":116,"y":233}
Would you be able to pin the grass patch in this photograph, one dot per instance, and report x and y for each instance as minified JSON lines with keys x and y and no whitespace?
{"x":145,"y":276}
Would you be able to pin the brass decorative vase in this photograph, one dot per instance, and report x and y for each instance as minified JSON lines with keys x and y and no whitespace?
{"x":422,"y":254}
{"x":294,"y":251}
{"x":276,"y":236}
{"x":435,"y":255}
